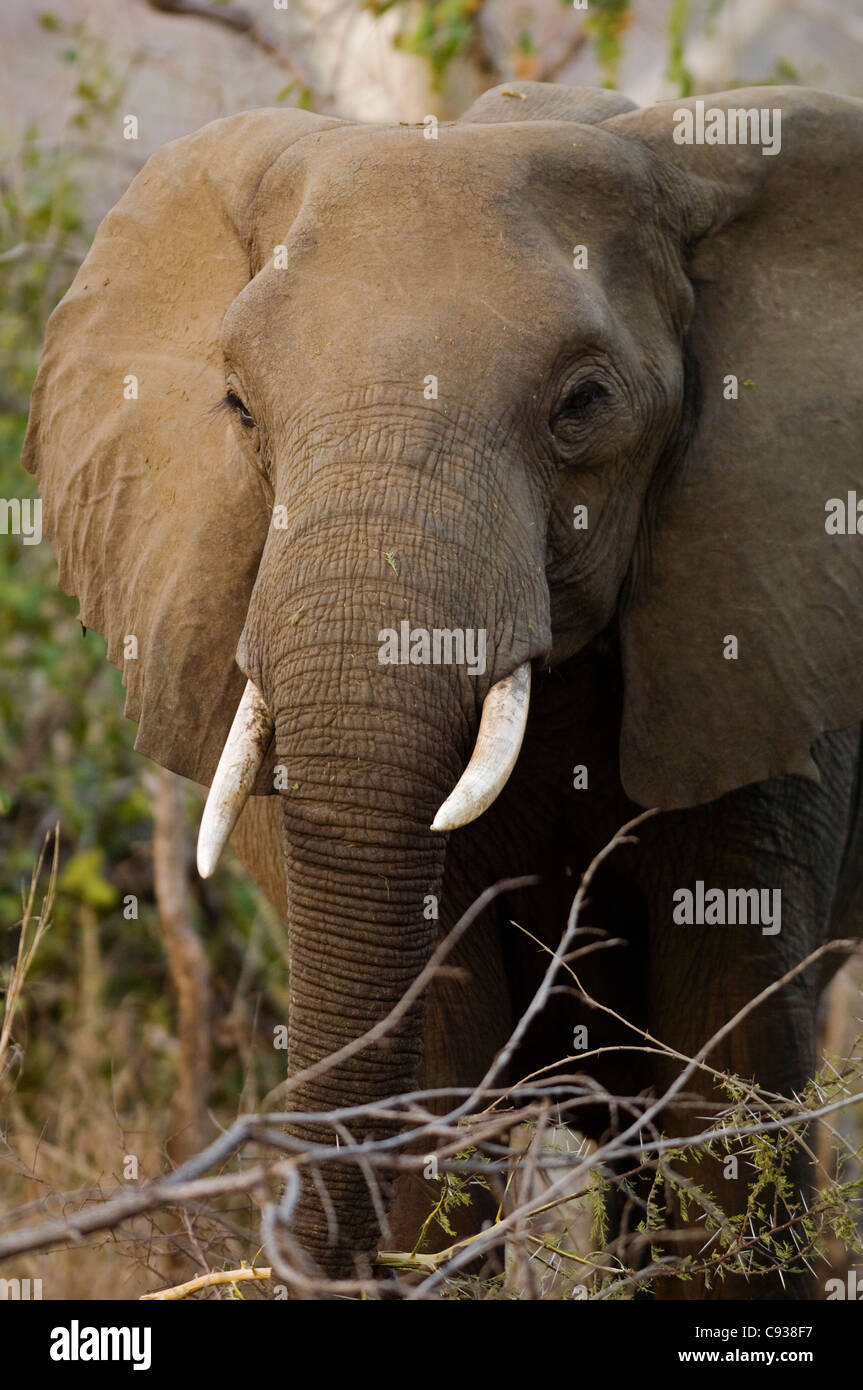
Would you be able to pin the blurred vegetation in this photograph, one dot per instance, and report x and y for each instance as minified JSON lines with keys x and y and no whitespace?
{"x":441,"y":31}
{"x":91,"y":1066}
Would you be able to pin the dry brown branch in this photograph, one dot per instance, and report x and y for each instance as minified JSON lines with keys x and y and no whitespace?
{"x":231,"y":16}
{"x":473,"y":1138}
{"x":244,"y":23}
{"x":554,"y":64}
{"x":206,"y":1281}
{"x":417,"y":989}
{"x":33,"y":928}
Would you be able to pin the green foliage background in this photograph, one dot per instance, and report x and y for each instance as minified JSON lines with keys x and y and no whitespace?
{"x":66,"y":753}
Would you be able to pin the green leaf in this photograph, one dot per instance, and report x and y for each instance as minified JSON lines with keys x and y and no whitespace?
{"x":82,"y":878}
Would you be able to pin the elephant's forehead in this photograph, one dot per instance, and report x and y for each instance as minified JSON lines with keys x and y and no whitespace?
{"x":388,"y":228}
{"x":486,"y":184}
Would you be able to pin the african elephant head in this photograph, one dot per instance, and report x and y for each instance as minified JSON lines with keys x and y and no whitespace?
{"x":326,"y":401}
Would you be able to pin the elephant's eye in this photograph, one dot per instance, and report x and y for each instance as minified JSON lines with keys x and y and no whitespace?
{"x":232,"y":402}
{"x":579,"y":403}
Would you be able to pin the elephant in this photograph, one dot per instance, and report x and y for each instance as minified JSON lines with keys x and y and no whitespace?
{"x":467,"y":489}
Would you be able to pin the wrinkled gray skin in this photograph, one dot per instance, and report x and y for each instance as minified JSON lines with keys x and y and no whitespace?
{"x":558,"y":387}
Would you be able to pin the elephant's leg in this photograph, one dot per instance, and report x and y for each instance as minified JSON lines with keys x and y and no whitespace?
{"x":788,"y":835}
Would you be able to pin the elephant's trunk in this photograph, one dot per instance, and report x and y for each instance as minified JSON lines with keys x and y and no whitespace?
{"x":363,"y":876}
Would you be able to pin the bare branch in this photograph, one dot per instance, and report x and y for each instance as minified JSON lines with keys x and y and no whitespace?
{"x":232,"y":16}
{"x":479,"y":1136}
{"x":242,"y":21}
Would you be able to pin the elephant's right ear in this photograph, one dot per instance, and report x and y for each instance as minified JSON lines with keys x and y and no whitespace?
{"x":157,"y":521}
{"x":742,"y":641}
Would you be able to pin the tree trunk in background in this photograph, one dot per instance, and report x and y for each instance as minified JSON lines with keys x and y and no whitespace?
{"x":188,"y":968}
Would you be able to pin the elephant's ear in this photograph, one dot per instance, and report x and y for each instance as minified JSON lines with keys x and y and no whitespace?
{"x":744,"y":640}
{"x":157,"y":521}
{"x":546,"y":101}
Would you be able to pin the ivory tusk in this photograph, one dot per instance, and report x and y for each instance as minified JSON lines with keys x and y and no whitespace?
{"x":501,"y":730}
{"x":244,"y":752}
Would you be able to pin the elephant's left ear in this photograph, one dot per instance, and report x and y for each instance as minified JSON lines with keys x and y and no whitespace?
{"x":744,"y":639}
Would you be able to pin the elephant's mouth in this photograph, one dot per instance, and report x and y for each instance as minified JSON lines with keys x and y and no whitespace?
{"x":498,"y":742}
